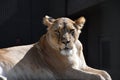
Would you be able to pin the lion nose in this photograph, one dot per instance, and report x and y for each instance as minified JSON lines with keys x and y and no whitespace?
{"x":65,"y":42}
{"x":65,"y":39}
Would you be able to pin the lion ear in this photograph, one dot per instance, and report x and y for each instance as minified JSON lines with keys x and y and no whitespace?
{"x":48,"y":21}
{"x":80,"y":22}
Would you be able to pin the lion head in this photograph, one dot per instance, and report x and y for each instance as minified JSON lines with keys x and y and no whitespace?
{"x":63,"y":33}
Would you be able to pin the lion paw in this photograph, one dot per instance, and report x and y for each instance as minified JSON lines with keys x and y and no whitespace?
{"x":2,"y":77}
{"x":97,"y":77}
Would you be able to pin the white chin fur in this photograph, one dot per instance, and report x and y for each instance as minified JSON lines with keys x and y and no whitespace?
{"x":68,"y":52}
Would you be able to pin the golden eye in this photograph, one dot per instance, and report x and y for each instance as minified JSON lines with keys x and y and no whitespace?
{"x":57,"y":32}
{"x":72,"y":31}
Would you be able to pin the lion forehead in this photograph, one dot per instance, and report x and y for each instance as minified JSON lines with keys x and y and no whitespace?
{"x":61,"y":23}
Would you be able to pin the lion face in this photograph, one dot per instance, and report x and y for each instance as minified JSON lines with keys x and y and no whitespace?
{"x":63,"y":33}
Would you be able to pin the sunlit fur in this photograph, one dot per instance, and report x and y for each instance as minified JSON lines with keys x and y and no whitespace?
{"x":9,"y":57}
{"x":57,"y":55}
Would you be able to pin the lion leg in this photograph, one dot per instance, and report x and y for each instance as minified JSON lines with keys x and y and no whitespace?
{"x":82,"y":75}
{"x":2,"y":77}
{"x":100,"y":72}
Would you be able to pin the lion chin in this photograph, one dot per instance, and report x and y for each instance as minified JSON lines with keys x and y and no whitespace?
{"x":68,"y":51}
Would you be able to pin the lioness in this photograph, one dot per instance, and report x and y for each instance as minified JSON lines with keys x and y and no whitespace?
{"x":57,"y":55}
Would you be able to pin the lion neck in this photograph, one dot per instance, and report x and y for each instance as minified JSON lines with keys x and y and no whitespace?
{"x":52,"y":57}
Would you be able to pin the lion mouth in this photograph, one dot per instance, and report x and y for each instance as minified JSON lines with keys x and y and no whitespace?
{"x":66,"y":51}
{"x":66,"y":48}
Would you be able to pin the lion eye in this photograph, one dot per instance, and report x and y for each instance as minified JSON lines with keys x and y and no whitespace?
{"x":57,"y":32}
{"x":72,"y":31}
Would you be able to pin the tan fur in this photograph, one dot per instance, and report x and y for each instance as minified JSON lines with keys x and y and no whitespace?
{"x":57,"y":55}
{"x":11,"y":56}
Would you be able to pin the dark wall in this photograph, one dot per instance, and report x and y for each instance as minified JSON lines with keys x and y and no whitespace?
{"x":21,"y":21}
{"x":78,"y":5}
{"x":103,"y":36}
{"x":110,"y":33}
{"x":14,"y":22}
{"x":102,"y":32}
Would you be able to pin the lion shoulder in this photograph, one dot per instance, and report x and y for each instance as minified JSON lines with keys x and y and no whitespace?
{"x":9,"y":57}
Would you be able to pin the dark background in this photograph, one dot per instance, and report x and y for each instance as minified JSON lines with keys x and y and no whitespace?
{"x":21,"y":23}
